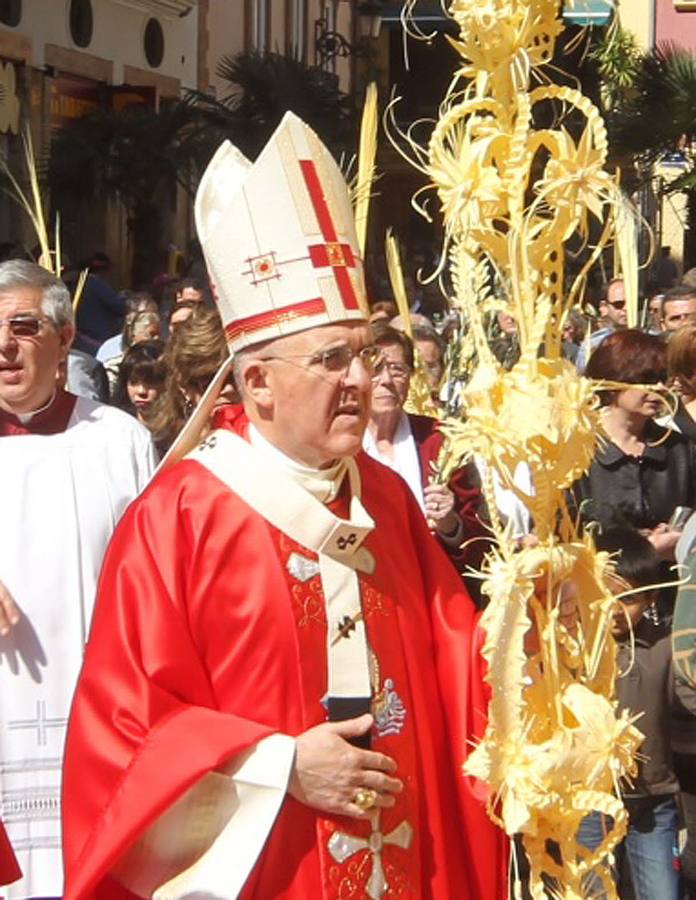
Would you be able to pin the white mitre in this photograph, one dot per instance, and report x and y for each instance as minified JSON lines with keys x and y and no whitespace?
{"x":279,"y":238}
{"x":279,"y":241}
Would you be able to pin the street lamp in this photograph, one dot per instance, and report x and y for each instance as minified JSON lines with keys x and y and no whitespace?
{"x":330,"y":44}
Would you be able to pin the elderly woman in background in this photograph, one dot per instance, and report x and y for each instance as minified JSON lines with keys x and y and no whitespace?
{"x":643,"y":471}
{"x":681,"y":368}
{"x":196,"y":350}
{"x":410,"y":445}
{"x":140,"y":324}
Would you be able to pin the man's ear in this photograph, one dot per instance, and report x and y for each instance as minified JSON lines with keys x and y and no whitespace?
{"x":66,"y":335}
{"x":257,"y":383}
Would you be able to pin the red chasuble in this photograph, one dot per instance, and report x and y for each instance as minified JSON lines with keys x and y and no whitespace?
{"x":9,"y":870}
{"x":210,"y":634}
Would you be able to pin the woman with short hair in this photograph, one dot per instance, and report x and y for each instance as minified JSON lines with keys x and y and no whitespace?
{"x":642,"y":471}
{"x":140,"y":380}
{"x":681,"y":366}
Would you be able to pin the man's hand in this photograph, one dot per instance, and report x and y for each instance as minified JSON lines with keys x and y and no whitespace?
{"x":664,"y":539}
{"x":9,"y":614}
{"x":439,"y":509}
{"x":328,"y":771}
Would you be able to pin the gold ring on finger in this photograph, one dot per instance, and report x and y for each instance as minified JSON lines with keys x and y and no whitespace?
{"x":365,"y":798}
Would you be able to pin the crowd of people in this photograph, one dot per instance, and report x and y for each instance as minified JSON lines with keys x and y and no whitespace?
{"x":282,"y":669}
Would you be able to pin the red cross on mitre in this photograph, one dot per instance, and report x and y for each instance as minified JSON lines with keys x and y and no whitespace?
{"x":333,"y":254}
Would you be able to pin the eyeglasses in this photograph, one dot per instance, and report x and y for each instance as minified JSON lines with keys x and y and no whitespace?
{"x":336,"y":360}
{"x":617,"y":304}
{"x":398,"y":371}
{"x":24,"y":326}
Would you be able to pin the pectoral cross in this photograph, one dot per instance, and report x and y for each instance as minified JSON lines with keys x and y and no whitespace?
{"x":343,"y":846}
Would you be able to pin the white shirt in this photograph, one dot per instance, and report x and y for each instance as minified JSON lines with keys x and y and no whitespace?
{"x":62,"y":496}
{"x":405,"y":462}
{"x":111,"y":347}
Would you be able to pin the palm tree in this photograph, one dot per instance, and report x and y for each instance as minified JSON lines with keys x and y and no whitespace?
{"x":136,"y":155}
{"x":656,"y":121}
{"x":263,"y":87}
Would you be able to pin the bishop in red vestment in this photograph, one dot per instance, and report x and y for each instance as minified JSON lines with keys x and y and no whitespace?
{"x":270,"y":603}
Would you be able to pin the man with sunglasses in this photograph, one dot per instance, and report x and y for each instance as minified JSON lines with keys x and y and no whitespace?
{"x":69,"y":467}
{"x":614,"y":317}
{"x":282,"y":679}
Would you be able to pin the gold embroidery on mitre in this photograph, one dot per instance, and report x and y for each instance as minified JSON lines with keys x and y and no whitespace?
{"x":262,"y":268}
{"x":336,"y":255}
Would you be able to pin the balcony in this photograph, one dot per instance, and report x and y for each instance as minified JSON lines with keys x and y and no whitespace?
{"x":177,"y":8}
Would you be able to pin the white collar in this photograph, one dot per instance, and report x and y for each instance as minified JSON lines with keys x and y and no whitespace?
{"x":324,"y":484}
{"x":25,"y":418}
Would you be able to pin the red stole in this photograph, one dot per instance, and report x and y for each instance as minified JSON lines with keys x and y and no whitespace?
{"x":394,"y":735}
{"x":52,"y":420}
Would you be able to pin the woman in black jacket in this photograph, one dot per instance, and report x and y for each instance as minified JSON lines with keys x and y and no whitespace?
{"x":642,"y":471}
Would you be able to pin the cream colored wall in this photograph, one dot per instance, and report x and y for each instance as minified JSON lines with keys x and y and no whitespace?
{"x":278,"y":30}
{"x":118,"y":36}
{"x":225,"y":35}
{"x":638,"y":16}
{"x":344,"y":26}
{"x":226,"y":31}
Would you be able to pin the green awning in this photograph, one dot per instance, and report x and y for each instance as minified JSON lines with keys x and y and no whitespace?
{"x":429,"y":13}
{"x":588,"y":12}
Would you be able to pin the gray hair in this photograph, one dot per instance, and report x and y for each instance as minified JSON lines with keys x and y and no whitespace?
{"x":55,"y":297}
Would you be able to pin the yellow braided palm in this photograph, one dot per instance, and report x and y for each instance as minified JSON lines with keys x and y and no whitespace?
{"x":512,"y":196}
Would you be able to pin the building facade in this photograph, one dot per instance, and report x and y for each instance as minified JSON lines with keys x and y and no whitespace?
{"x":295,"y":28}
{"x":61,"y":59}
{"x":654,"y":23}
{"x":65,"y":58}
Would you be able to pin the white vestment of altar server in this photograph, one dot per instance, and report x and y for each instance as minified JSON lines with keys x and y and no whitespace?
{"x":62,"y":496}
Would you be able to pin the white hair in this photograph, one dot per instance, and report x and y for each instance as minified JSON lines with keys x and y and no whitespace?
{"x":243,"y":355}
{"x":56,"y":304}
